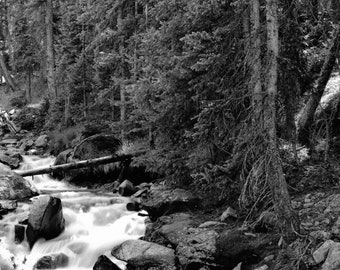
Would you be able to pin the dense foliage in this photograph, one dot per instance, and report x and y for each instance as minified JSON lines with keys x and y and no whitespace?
{"x":169,"y":76}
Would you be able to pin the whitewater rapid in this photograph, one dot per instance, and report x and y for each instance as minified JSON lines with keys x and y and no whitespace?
{"x":95,"y":223}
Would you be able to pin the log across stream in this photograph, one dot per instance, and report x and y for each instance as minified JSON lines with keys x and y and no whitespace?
{"x":95,"y":223}
{"x":74,"y":165}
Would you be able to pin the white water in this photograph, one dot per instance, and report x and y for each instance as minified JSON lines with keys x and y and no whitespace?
{"x":95,"y":223}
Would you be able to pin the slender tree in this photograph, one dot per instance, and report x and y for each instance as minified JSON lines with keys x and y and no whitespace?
{"x":52,"y":89}
{"x":276,"y":179}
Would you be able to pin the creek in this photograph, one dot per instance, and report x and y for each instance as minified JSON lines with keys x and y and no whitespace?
{"x":95,"y":222}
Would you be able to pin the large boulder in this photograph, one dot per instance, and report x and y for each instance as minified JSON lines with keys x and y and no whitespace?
{"x":52,"y":261}
{"x":11,"y":159}
{"x":104,"y":263}
{"x":41,"y":141}
{"x":15,"y":187}
{"x":161,"y":200}
{"x":45,"y":219}
{"x":197,"y":248}
{"x":139,"y":253}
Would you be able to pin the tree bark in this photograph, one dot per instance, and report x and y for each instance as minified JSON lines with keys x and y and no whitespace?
{"x":256,"y":63}
{"x":275,"y":176}
{"x":121,"y":86}
{"x":306,"y":117}
{"x":50,"y":50}
{"x":9,"y":80}
{"x":29,"y":86}
{"x":75,"y":165}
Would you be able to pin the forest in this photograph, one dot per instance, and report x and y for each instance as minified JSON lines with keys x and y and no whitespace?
{"x":235,"y":100}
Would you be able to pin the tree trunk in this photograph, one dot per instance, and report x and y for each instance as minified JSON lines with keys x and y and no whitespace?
{"x":121,"y":86}
{"x":29,"y":83}
{"x":305,"y":120}
{"x":75,"y":165}
{"x":9,"y":80}
{"x":256,"y":61}
{"x":50,"y":50}
{"x":275,"y":176}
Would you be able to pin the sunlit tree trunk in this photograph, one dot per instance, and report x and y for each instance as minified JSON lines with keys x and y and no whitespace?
{"x":50,"y":50}
{"x":275,"y":176}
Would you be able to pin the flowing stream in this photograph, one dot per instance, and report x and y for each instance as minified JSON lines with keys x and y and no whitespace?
{"x":95,"y":222}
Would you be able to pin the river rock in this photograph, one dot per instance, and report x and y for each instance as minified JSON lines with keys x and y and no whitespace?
{"x":19,"y":233}
{"x":41,"y":141}
{"x":139,"y":253}
{"x":175,"y":226}
{"x":7,"y":206}
{"x":52,"y":261}
{"x":333,"y":258}
{"x":197,"y":248}
{"x":126,"y":188}
{"x":104,"y":263}
{"x":26,"y":144}
{"x":45,"y":219}
{"x":320,"y":254}
{"x":161,"y":200}
{"x":11,"y":159}
{"x":15,"y":187}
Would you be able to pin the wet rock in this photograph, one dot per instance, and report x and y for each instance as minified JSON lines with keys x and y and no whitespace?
{"x":333,"y":258}
{"x":160,"y":201}
{"x":197,"y":248}
{"x":19,"y":233}
{"x":7,"y":206}
{"x":139,"y":253}
{"x":126,"y":188}
{"x":104,"y":263}
{"x":15,"y":187}
{"x":45,"y":219}
{"x":62,"y":158}
{"x":26,"y":144}
{"x":41,"y":141}
{"x":230,"y":213}
{"x":11,"y":159}
{"x":52,"y":261}
{"x":133,"y":206}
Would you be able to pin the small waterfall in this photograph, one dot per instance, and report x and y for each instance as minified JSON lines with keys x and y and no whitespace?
{"x":95,"y":223}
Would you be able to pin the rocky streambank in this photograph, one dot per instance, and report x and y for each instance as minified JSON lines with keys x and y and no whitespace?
{"x":183,"y":234}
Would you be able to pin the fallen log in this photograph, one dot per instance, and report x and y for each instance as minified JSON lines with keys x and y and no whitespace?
{"x":75,"y":165}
